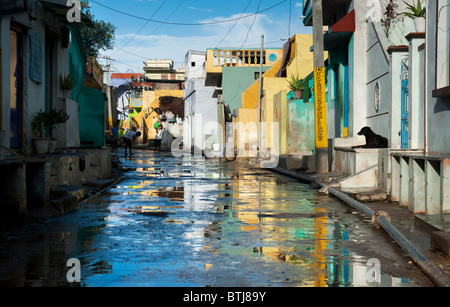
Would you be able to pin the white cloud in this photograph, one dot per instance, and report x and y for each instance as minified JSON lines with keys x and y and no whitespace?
{"x":175,"y":47}
{"x":200,"y":9}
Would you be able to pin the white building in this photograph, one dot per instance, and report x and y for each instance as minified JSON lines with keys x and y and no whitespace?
{"x":394,"y":77}
{"x":201,"y":124}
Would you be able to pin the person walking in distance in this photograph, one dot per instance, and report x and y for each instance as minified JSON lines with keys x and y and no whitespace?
{"x":129,"y":138}
{"x":158,"y":137}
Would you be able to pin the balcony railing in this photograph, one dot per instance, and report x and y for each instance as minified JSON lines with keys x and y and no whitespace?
{"x":93,"y":74}
{"x":237,"y":57}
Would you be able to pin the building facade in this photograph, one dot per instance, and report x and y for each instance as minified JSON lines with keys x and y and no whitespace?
{"x":201,"y":123}
{"x":388,"y":73}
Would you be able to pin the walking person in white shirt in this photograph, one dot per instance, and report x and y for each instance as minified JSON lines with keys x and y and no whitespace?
{"x":158,"y":137}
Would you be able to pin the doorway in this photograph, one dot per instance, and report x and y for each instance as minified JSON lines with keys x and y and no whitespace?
{"x":16,"y":87}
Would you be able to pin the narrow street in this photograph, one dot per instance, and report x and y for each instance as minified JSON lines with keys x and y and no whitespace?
{"x":200,"y":222}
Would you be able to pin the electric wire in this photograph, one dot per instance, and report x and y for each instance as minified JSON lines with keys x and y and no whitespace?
{"x":248,"y":4}
{"x":189,"y":24}
{"x":144,"y":24}
{"x":251,"y":26}
{"x":170,"y":15}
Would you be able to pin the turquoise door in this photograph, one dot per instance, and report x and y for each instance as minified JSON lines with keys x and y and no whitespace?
{"x":404,"y":115}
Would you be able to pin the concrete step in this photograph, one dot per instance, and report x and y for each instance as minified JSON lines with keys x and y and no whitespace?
{"x":100,"y":183}
{"x":366,"y":194}
{"x":61,"y":191}
{"x":438,"y":226}
{"x":65,"y":204}
{"x":441,"y":240}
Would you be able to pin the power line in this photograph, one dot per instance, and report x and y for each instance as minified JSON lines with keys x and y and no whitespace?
{"x":290,"y":15}
{"x":234,"y":23}
{"x":251,"y":26}
{"x":145,"y":24}
{"x":179,"y":5}
{"x":189,"y":24}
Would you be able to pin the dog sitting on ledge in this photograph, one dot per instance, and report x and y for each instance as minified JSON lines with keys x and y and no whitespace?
{"x":373,"y":140}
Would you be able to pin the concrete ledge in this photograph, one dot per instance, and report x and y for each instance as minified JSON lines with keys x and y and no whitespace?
{"x":65,"y":204}
{"x":441,"y":240}
{"x":296,"y":162}
{"x":349,"y":161}
{"x":79,"y":192}
{"x":371,"y":196}
{"x":99,"y":184}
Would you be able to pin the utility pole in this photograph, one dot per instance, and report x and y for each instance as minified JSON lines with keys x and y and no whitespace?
{"x":108,"y":93}
{"x":260,"y":92}
{"x":321,"y":147}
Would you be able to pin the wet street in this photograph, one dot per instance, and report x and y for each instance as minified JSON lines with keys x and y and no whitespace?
{"x":199,"y":222}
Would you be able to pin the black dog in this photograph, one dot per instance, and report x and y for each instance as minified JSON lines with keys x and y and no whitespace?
{"x":373,"y":140}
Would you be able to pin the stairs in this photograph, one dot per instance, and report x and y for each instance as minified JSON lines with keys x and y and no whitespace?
{"x":65,"y":198}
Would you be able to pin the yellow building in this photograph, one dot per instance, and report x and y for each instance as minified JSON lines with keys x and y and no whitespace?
{"x":148,"y":115}
{"x":298,"y":60}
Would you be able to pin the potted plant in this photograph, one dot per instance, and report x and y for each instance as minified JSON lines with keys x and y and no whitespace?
{"x":39,"y":126}
{"x":417,"y":12}
{"x":66,"y":83}
{"x":45,"y":123}
{"x":298,"y":85}
{"x":55,"y":118}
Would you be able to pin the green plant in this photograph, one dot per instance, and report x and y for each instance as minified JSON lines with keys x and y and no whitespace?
{"x":48,"y":122}
{"x":415,"y":10}
{"x":66,"y":82}
{"x":389,"y":17}
{"x":56,"y":118}
{"x":297,"y":84}
{"x":39,"y":123}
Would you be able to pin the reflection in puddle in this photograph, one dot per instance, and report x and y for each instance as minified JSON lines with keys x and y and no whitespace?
{"x":187,"y":222}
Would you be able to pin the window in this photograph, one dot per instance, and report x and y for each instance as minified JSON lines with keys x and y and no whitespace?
{"x":193,"y":64}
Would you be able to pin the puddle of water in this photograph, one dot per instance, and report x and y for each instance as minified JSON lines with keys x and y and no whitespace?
{"x":234,"y":227}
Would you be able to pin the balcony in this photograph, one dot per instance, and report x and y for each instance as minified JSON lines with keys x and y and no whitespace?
{"x":93,"y":74}
{"x":216,"y":59}
{"x":158,"y":65}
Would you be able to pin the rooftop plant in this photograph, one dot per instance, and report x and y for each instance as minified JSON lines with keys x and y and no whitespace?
{"x":415,"y":10}
{"x":297,"y":84}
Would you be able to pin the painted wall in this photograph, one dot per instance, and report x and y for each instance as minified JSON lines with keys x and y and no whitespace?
{"x":301,"y":63}
{"x":301,"y":140}
{"x":201,"y":115}
{"x":377,"y":77}
{"x":198,"y":102}
{"x":235,"y":81}
{"x":34,"y":94}
{"x":280,"y":110}
{"x":195,"y":64}
{"x":91,"y":116}
{"x":146,"y":117}
{"x":246,"y":132}
{"x":438,"y":109}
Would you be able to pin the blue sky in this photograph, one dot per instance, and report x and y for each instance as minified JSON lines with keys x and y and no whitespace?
{"x":173,"y":35}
